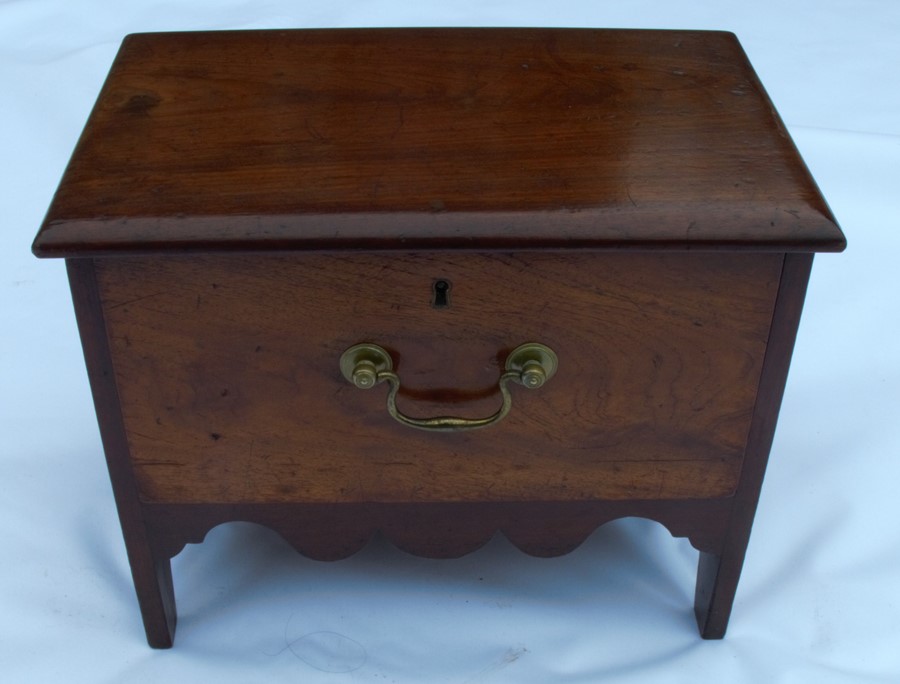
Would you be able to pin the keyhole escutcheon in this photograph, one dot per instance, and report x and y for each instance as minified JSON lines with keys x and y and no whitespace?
{"x":441,"y":293}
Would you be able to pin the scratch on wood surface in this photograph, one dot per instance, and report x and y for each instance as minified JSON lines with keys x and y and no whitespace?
{"x":134,"y":300}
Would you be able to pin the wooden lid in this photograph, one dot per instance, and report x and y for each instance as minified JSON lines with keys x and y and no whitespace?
{"x":434,"y":138}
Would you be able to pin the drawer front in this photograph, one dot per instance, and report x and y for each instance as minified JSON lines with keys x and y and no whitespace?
{"x":227,"y":370}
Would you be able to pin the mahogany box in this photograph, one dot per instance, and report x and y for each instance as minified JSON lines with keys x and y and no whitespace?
{"x":436,"y":283}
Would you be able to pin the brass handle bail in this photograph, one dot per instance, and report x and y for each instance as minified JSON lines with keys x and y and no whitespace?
{"x":367,"y":365}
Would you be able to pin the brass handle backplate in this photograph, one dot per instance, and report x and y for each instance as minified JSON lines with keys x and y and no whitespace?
{"x":367,"y":365}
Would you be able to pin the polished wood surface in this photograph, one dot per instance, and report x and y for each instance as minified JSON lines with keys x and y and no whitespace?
{"x":228,"y":374}
{"x":384,"y":138}
{"x":243,"y":207}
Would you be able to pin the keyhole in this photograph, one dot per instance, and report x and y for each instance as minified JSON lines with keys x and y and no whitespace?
{"x":441,"y":289}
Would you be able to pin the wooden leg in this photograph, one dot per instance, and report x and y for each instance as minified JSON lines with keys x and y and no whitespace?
{"x":717,"y":580}
{"x":150,"y":569}
{"x":156,"y":597}
{"x":718,"y":573}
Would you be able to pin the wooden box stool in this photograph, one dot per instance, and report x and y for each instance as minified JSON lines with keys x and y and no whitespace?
{"x":437,"y":283}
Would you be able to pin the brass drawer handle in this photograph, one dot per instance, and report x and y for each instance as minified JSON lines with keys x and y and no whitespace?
{"x":367,"y":365}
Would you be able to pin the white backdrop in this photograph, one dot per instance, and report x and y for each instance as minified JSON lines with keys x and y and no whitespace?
{"x":819,"y":599}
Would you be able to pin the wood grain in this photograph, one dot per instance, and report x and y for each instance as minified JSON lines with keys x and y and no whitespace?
{"x":227,"y":369}
{"x":244,"y":206}
{"x":385,"y":138}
